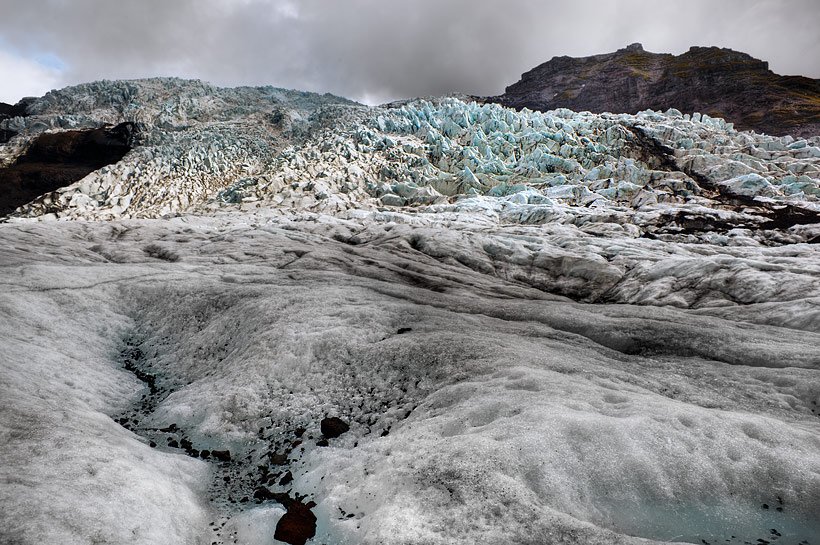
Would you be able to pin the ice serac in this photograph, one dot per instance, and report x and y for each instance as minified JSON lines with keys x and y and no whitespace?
{"x":719,"y":82}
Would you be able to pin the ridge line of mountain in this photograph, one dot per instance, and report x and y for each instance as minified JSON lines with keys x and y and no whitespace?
{"x":716,"y":81}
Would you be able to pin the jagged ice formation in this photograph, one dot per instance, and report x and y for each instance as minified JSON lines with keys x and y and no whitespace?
{"x":666,"y":173}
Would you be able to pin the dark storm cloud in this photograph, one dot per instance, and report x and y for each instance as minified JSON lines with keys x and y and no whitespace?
{"x":377,"y":49}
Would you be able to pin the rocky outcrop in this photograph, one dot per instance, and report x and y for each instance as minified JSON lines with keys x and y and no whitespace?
{"x":17,"y":110}
{"x":55,"y":160}
{"x":718,"y":82}
{"x":8,"y":111}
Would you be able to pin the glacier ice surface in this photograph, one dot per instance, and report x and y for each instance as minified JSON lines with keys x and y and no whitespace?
{"x":512,"y":414}
{"x":558,"y":327}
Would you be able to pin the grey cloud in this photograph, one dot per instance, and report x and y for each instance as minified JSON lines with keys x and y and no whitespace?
{"x":387,"y":49}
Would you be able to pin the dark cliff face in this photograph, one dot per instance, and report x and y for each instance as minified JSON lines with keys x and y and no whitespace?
{"x":13,"y":110}
{"x":59,"y":159}
{"x":7,"y":111}
{"x":718,"y":82}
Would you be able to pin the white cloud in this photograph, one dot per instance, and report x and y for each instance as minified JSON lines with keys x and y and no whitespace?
{"x":24,"y":77}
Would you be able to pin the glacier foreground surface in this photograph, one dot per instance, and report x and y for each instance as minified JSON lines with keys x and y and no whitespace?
{"x":540,"y":328}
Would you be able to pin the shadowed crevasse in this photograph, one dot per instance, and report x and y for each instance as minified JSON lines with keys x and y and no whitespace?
{"x":55,"y":160}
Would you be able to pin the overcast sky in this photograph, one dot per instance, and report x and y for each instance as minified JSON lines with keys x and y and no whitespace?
{"x":374,"y":50}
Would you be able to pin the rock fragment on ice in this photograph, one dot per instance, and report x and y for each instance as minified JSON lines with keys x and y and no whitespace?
{"x":333,"y":427}
{"x":297,"y":525}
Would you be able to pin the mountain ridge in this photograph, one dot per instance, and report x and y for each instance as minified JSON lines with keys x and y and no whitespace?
{"x":719,"y":82}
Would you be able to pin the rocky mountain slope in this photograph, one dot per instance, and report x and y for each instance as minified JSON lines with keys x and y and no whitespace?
{"x":281,"y":317}
{"x":718,"y":82}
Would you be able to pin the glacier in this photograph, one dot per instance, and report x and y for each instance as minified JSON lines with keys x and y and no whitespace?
{"x":541,"y":328}
{"x":295,"y":151}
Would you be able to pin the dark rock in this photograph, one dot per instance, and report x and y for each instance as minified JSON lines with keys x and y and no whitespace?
{"x":287,"y":478}
{"x":55,"y":160}
{"x":299,"y":432}
{"x":204,"y":454}
{"x":264,"y":494}
{"x":278,"y":459}
{"x":297,"y":525}
{"x":333,"y":427}
{"x":221,"y":455}
{"x":718,"y":82}
{"x":6,"y":135}
{"x":322,"y":443}
{"x":152,"y":444}
{"x":403,"y":330}
{"x":20,"y":109}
